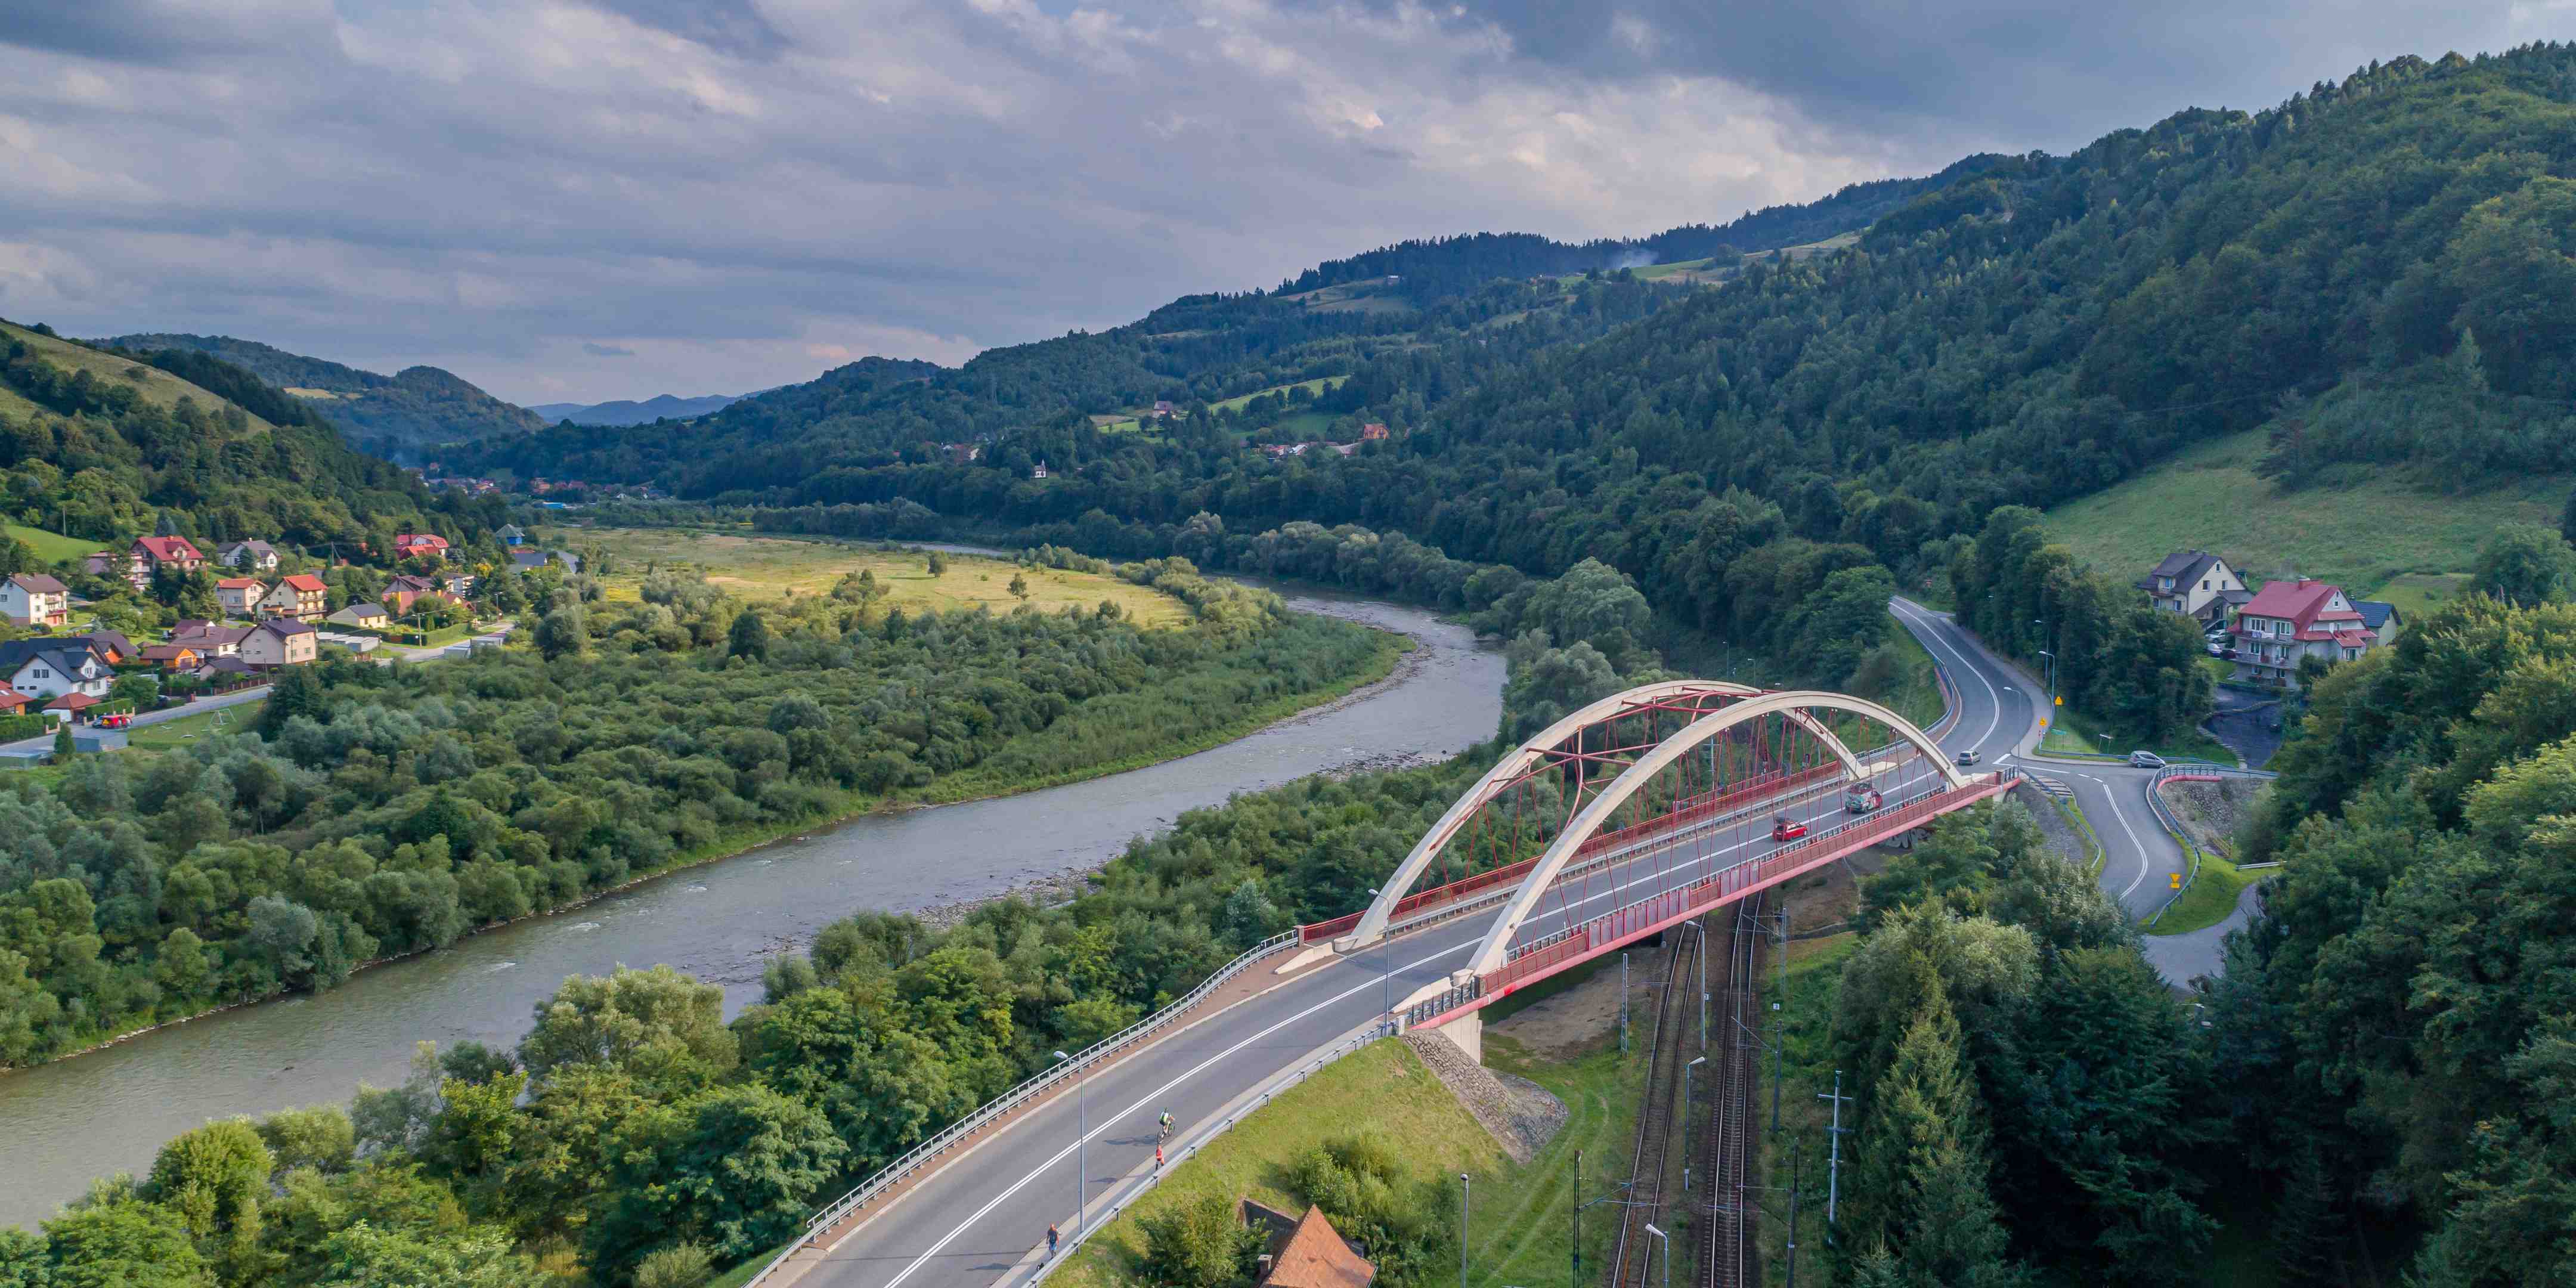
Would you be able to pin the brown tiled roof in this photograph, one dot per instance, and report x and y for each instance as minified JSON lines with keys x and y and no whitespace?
{"x":1316,"y":1257}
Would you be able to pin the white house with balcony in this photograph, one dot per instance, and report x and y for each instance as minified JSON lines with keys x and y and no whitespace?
{"x":2290,"y":621}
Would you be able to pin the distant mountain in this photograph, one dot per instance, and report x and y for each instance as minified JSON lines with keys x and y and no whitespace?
{"x":415,"y":408}
{"x":627,"y":411}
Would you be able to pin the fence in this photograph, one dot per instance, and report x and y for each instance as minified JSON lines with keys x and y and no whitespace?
{"x":1305,"y":1069}
{"x":1064,"y":1071}
{"x":1545,"y":954}
{"x":2197,"y":772}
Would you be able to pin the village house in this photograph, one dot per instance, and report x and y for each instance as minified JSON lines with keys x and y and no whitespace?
{"x":459,"y":584}
{"x":405,"y":590}
{"x":1372,"y":432}
{"x":254,"y":555}
{"x":127,"y":564}
{"x":1164,"y":407}
{"x":2290,"y":621}
{"x":531,"y":560}
{"x":36,"y":600}
{"x":112,"y":647}
{"x":300,"y":596}
{"x":47,"y":668}
{"x":213,"y":641}
{"x":1039,"y":472}
{"x":173,"y":657}
{"x":420,"y":545}
{"x":14,"y":703}
{"x":239,"y":596}
{"x":511,"y":535}
{"x":366,"y":617}
{"x":279,"y":641}
{"x":1306,"y":1252}
{"x":225,"y":671}
{"x":961,"y":453}
{"x":170,"y":554}
{"x":2380,"y":618}
{"x":72,"y":708}
{"x":2196,"y":584}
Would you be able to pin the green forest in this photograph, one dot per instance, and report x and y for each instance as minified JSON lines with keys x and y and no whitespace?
{"x":412,"y":410}
{"x":377,"y":811}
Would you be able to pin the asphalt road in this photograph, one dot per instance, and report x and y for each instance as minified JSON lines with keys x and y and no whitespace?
{"x":1999,"y":712}
{"x":983,"y":1217}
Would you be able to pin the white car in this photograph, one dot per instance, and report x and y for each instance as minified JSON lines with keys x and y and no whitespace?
{"x":2146,"y":760}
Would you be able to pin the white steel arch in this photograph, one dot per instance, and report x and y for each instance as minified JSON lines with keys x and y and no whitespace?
{"x":1496,"y":947}
{"x":1372,"y":923}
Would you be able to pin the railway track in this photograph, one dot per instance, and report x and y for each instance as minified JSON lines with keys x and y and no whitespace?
{"x":1726,"y":1159}
{"x":1651,"y":1194}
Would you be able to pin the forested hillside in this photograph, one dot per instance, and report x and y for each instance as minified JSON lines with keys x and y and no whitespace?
{"x":108,"y":446}
{"x":413,"y":409}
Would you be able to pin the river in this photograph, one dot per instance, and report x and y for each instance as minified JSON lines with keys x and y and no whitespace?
{"x":64,"y":1123}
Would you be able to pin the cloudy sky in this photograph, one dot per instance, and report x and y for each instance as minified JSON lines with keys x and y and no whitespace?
{"x":574,"y":200}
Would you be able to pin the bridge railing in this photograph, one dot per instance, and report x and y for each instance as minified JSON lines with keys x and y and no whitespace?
{"x":1573,"y":943}
{"x":1687,"y":811}
{"x":1035,"y":1088}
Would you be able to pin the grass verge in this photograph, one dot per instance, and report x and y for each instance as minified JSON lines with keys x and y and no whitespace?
{"x":52,"y":547}
{"x":2074,"y":733}
{"x":2207,"y":901}
{"x":173,"y":735}
{"x":1807,"y":988}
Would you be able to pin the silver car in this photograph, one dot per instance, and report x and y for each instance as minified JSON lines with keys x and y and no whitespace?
{"x":2146,"y":760}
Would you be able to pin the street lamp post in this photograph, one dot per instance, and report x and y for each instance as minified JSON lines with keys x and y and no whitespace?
{"x":1082,"y":1134}
{"x":1667,"y":1251}
{"x":1385,"y":963}
{"x":1466,"y":1190}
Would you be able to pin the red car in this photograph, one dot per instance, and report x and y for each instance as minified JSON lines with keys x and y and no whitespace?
{"x":117,"y":721}
{"x":1784,"y":828}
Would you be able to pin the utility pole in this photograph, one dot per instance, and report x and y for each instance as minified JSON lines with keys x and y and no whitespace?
{"x":1702,"y":923}
{"x":1834,"y":1167}
{"x":1623,"y":1003}
{"x":1795,"y":1157}
{"x":1577,"y":1281}
{"x":1782,"y":988}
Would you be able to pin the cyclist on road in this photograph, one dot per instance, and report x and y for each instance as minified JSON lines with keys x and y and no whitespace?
{"x":1167,"y":1124}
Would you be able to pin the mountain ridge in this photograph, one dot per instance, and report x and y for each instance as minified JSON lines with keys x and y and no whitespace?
{"x":414,"y":409}
{"x":629,"y":411}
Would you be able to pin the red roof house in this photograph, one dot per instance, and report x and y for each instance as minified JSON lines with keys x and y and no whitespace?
{"x":409,"y":544}
{"x":169,"y":552}
{"x":2288,"y":621}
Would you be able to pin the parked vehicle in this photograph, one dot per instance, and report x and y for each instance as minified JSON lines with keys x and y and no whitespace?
{"x":1785,"y":828}
{"x":2146,"y":760}
{"x":1862,"y":798}
{"x":1966,"y":758}
{"x":119,"y":720}
{"x":2217,"y":649}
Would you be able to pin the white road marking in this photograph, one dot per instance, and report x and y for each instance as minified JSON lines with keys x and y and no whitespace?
{"x":1159,"y":1092}
{"x":2140,"y":846}
{"x":1932,"y":635}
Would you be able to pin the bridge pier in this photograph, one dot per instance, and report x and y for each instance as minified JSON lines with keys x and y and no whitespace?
{"x":1467,"y":1033}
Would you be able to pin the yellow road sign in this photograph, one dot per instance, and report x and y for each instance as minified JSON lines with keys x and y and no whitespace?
{"x":2177,"y":881}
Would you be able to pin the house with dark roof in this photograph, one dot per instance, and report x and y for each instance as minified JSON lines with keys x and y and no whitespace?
{"x":34,"y":599}
{"x":2380,"y":618}
{"x":2196,"y":584}
{"x":253,"y":555}
{"x":368,"y":617}
{"x":50,"y":667}
{"x":280,"y":641}
{"x":511,"y":535}
{"x":112,"y":647}
{"x":212,"y":640}
{"x":2291,"y":621}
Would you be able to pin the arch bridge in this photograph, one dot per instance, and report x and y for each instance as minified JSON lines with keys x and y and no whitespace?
{"x":1648,"y":808}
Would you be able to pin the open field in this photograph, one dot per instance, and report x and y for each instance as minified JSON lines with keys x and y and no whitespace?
{"x":156,"y":386}
{"x":1310,"y":386}
{"x":52,"y":547}
{"x":1521,"y":1221}
{"x":2359,"y":537}
{"x":2418,"y":594}
{"x":186,"y":731}
{"x":776,"y":567}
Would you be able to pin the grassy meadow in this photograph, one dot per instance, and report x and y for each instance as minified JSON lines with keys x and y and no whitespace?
{"x":52,"y":547}
{"x":157,"y":386}
{"x":758,"y":568}
{"x":2385,"y":536}
{"x":1521,"y":1220}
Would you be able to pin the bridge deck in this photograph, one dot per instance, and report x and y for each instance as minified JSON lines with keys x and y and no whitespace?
{"x":1582,"y":942}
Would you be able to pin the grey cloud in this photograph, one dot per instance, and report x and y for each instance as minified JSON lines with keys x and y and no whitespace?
{"x":2024,"y":73}
{"x":790,"y":182}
